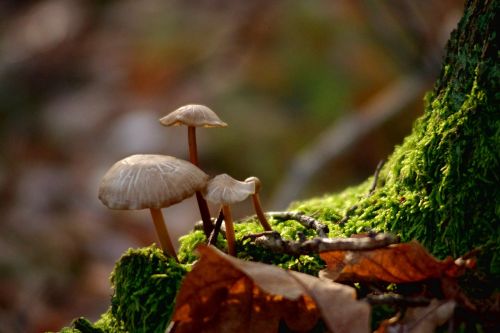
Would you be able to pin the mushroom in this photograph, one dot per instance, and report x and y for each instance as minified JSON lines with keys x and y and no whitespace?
{"x":256,"y":203}
{"x":225,"y":190}
{"x":192,"y":116}
{"x":153,"y":182}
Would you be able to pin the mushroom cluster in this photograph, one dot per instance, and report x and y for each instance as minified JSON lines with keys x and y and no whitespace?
{"x":153,"y":182}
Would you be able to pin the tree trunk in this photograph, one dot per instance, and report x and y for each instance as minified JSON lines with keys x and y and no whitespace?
{"x":441,"y":186}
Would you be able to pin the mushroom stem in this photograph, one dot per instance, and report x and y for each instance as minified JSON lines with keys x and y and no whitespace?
{"x":260,"y":214}
{"x":161,"y":230}
{"x":256,"y":203}
{"x":205,"y":214}
{"x":228,"y":221}
{"x":202,"y":204}
{"x":193,"y":150}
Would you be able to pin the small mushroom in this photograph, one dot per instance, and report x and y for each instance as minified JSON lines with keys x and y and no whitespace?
{"x":192,"y":116}
{"x":225,"y":190}
{"x":153,"y":182}
{"x":256,"y":203}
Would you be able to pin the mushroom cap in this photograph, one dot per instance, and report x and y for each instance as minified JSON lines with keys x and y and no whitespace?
{"x":193,"y":115}
{"x":256,"y":181}
{"x":225,"y":190}
{"x":150,"y":181}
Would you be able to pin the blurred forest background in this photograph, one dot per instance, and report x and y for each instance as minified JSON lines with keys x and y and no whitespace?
{"x":315,"y":93}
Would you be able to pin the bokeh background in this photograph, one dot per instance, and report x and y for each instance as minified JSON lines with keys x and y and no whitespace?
{"x":315,"y":93}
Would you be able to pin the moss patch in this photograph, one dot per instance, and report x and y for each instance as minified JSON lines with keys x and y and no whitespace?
{"x":82,"y":325}
{"x":145,"y":284}
{"x":248,"y":251}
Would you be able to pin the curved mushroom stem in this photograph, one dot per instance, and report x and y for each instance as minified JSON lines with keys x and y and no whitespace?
{"x":228,"y":221}
{"x":161,"y":230}
{"x":256,"y":203}
{"x":202,"y":204}
{"x":260,"y":214}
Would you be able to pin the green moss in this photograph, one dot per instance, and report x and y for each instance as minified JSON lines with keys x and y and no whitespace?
{"x":83,"y":325}
{"x":289,"y":230}
{"x":248,"y":251}
{"x":108,"y":323}
{"x":188,"y":244}
{"x":145,"y":284}
{"x":330,"y":209}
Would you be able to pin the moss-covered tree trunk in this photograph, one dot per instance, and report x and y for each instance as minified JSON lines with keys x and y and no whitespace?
{"x":441,"y":186}
{"x":452,"y":158}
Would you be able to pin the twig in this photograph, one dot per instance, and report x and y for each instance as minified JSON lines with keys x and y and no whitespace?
{"x":375,"y":177}
{"x":199,"y":226}
{"x":351,"y":209}
{"x":253,"y":237}
{"x":215,"y":232}
{"x":348,"y":213}
{"x":275,"y":243}
{"x":307,"y":221}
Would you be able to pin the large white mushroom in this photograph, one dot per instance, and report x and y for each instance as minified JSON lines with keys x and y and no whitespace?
{"x":151,"y":182}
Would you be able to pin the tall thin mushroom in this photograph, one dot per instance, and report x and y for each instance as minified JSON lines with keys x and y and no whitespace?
{"x":192,"y":116}
{"x":225,"y":190}
{"x":256,"y":203}
{"x":151,"y":182}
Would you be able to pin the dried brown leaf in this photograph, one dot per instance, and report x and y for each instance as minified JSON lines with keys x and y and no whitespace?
{"x":226,"y":294}
{"x":397,"y":263}
{"x":420,"y":319}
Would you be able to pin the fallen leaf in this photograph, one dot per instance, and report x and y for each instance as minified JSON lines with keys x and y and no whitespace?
{"x":420,"y":319}
{"x":226,"y":294}
{"x":397,"y":263}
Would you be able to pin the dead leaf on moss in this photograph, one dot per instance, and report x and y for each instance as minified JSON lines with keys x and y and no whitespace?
{"x":398,"y":263}
{"x":226,"y":294}
{"x":420,"y":319}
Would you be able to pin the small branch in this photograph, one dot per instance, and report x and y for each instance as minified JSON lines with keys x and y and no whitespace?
{"x":307,"y":221}
{"x":351,"y":209}
{"x":348,"y":213}
{"x":199,"y":227}
{"x":375,"y":177}
{"x":275,"y":243}
{"x":215,"y":232}
{"x":253,"y":237}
